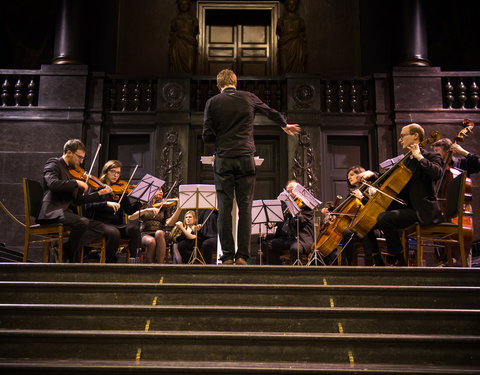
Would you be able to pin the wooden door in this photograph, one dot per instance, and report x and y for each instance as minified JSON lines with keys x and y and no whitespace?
{"x":242,"y":48}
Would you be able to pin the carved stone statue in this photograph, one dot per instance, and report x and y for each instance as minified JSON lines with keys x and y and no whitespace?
{"x":292,"y":42}
{"x":183,"y":39}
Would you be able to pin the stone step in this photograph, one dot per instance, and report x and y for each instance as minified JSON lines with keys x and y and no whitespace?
{"x":169,"y":273}
{"x":440,"y":297}
{"x":286,"y":347}
{"x":240,"y":318}
{"x":221,"y":367}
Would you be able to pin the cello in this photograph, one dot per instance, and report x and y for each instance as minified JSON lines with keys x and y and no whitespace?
{"x":388,"y":186}
{"x":340,"y":219}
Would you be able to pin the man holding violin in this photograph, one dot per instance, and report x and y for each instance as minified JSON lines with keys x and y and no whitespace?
{"x":62,"y":195}
{"x":418,"y":194}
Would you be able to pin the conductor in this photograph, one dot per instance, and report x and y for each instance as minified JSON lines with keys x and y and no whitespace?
{"x":228,"y":122}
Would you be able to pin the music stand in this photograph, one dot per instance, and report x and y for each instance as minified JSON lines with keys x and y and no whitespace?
{"x":294,"y":210}
{"x":197,"y":196}
{"x":144,"y":192}
{"x":311,"y":202}
{"x":264,"y":212}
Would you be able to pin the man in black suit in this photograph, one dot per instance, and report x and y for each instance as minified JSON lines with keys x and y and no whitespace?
{"x":62,"y":196}
{"x":295,"y":233}
{"x":418,"y":193}
{"x":228,"y":122}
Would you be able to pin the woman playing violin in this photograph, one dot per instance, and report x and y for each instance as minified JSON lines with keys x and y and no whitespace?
{"x":418,"y":193}
{"x":154,"y":220}
{"x":112,"y":213}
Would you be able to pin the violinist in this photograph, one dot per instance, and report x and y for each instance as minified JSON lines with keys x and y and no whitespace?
{"x":62,"y":196}
{"x":154,"y":221}
{"x":286,"y":236}
{"x":467,"y":161}
{"x":111,"y":212}
{"x":418,"y":193}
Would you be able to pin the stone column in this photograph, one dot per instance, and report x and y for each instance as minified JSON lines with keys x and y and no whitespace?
{"x":413,"y":47}
{"x":69,"y":47}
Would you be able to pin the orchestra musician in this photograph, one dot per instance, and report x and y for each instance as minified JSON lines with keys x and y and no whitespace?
{"x":208,"y":233}
{"x":62,"y":195}
{"x":228,"y":122}
{"x":188,"y":232}
{"x":467,"y":161}
{"x":154,"y":223}
{"x":288,"y":236}
{"x":355,"y":175}
{"x":418,"y":193}
{"x":111,"y":211}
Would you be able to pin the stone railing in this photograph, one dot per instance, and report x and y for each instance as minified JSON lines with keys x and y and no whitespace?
{"x":19,"y":88}
{"x":127,"y":94}
{"x":460,"y":90}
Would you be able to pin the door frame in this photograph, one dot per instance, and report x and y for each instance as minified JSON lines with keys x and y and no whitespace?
{"x":205,"y":5}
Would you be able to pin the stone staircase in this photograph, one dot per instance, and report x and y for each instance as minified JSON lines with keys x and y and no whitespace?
{"x":191,"y":319}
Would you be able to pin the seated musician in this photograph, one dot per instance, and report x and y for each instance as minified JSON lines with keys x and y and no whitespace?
{"x":111,"y":211}
{"x":208,"y":234}
{"x":62,"y":196}
{"x":468,"y":161}
{"x":355,"y":175}
{"x":418,"y":193}
{"x":286,"y":236}
{"x":154,"y":223}
{"x":186,"y":240}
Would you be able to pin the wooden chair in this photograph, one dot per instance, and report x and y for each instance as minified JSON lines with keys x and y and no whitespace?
{"x":33,"y":193}
{"x":448,"y":232}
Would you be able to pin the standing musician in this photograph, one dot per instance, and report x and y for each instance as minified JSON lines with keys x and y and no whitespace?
{"x":154,"y":221}
{"x":468,"y":161}
{"x":418,"y":194}
{"x":228,"y":122}
{"x":62,"y":196}
{"x":111,"y":211}
{"x":286,"y":236}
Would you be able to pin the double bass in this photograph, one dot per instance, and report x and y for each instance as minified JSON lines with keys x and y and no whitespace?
{"x":449,"y":173}
{"x":388,"y":186}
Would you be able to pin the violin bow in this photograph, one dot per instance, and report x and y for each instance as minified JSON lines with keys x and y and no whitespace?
{"x":93,"y":162}
{"x":401,"y":201}
{"x":133,"y":173}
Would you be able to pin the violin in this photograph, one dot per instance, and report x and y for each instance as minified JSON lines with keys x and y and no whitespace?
{"x":171,"y":202}
{"x":92,"y":181}
{"x":122,"y":186}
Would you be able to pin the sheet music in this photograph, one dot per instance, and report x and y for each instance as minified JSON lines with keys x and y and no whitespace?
{"x":306,"y":196}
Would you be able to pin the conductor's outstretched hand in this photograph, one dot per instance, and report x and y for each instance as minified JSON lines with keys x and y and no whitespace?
{"x":292,"y":129}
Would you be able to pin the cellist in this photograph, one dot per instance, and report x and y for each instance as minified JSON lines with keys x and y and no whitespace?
{"x":418,"y":193}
